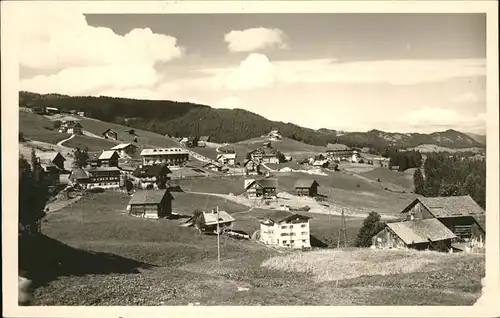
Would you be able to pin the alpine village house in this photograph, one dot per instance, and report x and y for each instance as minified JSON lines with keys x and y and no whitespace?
{"x":151,"y":177}
{"x":285,"y":229}
{"x":439,"y":223}
{"x":263,"y":189}
{"x":172,"y":157}
{"x":152,"y":204}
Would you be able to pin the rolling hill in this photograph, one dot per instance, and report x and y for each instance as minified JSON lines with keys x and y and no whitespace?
{"x":477,"y":137}
{"x":229,"y":125}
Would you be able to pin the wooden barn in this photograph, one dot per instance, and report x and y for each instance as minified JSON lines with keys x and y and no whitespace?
{"x":460,"y":214}
{"x":151,"y":176}
{"x":152,"y":204}
{"x":417,"y":234}
{"x":110,"y":134}
{"x":265,"y":188}
{"x":306,"y":187}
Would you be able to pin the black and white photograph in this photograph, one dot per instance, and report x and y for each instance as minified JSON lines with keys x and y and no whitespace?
{"x":251,"y":158}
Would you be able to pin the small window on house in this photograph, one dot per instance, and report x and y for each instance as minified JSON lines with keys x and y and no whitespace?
{"x":304,"y":233}
{"x":291,"y":226}
{"x":284,"y":242}
{"x":303,"y":225}
{"x":292,"y":241}
{"x":303,"y":241}
{"x":283,"y":227}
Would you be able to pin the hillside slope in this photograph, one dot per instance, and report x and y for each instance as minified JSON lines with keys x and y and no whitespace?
{"x":229,"y":125}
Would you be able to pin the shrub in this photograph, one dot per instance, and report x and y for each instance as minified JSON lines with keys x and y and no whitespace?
{"x":371,"y":226}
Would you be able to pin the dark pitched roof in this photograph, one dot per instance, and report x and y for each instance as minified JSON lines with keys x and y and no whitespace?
{"x":149,"y":196}
{"x":50,"y":155}
{"x":443,"y":207}
{"x":268,"y":183}
{"x":79,"y":174}
{"x":421,"y":231}
{"x":279,"y":216}
{"x":305,"y":183}
{"x":204,"y":138}
{"x":151,"y":171}
{"x":109,"y":130}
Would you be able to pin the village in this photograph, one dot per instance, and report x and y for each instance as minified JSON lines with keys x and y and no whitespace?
{"x":151,"y":177}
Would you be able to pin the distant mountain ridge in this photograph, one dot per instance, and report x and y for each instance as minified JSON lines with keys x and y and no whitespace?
{"x":477,"y":137}
{"x":229,"y":125}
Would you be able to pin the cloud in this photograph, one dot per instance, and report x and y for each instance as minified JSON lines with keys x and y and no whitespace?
{"x":431,"y":119}
{"x":467,"y":97}
{"x":76,"y":58}
{"x":258,"y":71}
{"x":255,"y":39}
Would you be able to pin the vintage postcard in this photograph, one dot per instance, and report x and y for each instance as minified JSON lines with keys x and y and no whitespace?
{"x":282,"y":159}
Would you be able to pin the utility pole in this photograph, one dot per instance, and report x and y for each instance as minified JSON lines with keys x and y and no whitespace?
{"x":218,"y":240}
{"x":343,"y":230}
{"x":329,"y":209}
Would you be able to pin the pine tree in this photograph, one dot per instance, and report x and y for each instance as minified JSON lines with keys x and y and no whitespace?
{"x":81,"y":157}
{"x":418,"y":182}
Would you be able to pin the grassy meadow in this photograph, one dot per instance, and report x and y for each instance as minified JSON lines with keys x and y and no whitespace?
{"x":37,"y":127}
{"x":92,"y":253}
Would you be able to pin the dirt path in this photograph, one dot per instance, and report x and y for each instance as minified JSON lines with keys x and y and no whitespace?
{"x":59,"y":204}
{"x":60,"y":143}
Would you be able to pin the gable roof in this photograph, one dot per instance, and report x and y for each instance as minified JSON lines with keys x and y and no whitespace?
{"x":50,"y":155}
{"x":109,"y":130}
{"x":305,"y":183}
{"x":96,"y":170}
{"x":79,"y":174}
{"x":204,"y":138}
{"x":421,"y":231}
{"x":108,"y":154}
{"x":445,"y":207}
{"x":226,"y":155}
{"x":265,"y":183}
{"x":72,"y":124}
{"x":213,"y":163}
{"x":151,"y":171}
{"x":123,"y":146}
{"x":247,"y":161}
{"x":149,"y":196}
{"x":279,"y":216}
{"x":210,"y":218}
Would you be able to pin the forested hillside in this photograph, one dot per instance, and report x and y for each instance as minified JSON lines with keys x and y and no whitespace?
{"x":228,"y":125}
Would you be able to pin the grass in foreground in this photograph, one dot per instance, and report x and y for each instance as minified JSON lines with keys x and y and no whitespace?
{"x":101,"y":256}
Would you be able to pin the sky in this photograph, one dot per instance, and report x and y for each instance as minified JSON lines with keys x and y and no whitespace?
{"x":349,"y":71}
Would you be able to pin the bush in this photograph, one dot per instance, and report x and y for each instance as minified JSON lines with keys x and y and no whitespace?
{"x":97,"y":190}
{"x":371,"y":226}
{"x":378,"y":179}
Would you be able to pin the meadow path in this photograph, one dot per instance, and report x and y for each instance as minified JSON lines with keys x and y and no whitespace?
{"x":60,"y":143}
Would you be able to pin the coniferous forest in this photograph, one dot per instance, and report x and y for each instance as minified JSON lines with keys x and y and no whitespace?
{"x":445,"y":175}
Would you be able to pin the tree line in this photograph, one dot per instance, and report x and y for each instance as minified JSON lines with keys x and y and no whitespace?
{"x":449,"y":175}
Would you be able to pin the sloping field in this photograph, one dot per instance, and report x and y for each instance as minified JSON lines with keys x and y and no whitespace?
{"x":435,"y":148}
{"x":401,"y":179}
{"x":296,"y":149}
{"x":94,"y":144}
{"x":36,"y":127}
{"x":94,"y":254}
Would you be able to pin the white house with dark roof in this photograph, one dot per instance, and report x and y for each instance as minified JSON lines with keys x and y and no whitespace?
{"x":285,"y":229}
{"x":125,"y":150}
{"x":227,"y":158}
{"x":172,"y":157}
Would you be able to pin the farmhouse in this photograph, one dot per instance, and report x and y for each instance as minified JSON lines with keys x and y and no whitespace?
{"x":274,"y":135}
{"x":207,"y":221}
{"x":108,"y":158}
{"x":151,"y":204}
{"x":53,"y":157}
{"x":172,"y":157}
{"x":213,"y":166}
{"x":125,"y":150}
{"x":71,"y":127}
{"x":320,"y":163}
{"x":416,"y":234}
{"x":227,"y":158}
{"x":202,"y":141}
{"x":460,"y":214}
{"x":338,"y":152}
{"x":153,"y":177}
{"x":52,"y":110}
{"x":264,"y":156}
{"x":305,"y":187}
{"x":51,"y":173}
{"x":285,"y":229}
{"x":97,"y":177}
{"x":264,"y":188}
{"x":110,"y":134}
{"x":251,"y":166}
